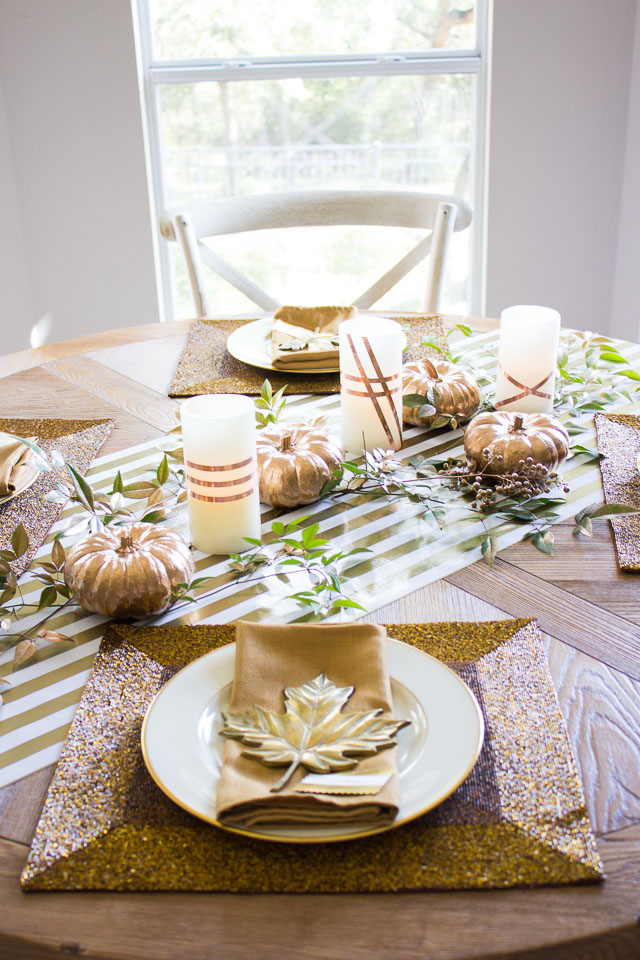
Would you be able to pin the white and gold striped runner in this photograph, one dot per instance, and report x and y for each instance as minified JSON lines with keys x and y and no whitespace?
{"x":405,"y":555}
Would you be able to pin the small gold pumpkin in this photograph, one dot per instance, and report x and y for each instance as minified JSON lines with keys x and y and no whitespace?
{"x":128,"y":572}
{"x":295,"y":461}
{"x":497,"y":442}
{"x":456,"y":391}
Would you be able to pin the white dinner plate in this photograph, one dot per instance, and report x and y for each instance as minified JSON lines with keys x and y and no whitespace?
{"x":251,"y":343}
{"x":183,"y":749}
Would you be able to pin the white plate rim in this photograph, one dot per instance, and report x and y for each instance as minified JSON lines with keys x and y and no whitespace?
{"x":23,"y":489}
{"x":273,"y":838}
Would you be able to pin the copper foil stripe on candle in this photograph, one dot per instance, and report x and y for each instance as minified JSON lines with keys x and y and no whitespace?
{"x":385,"y":387}
{"x":371,"y":380}
{"x":534,"y":391}
{"x":372,"y":396}
{"x":220,"y":483}
{"x":229,"y":466}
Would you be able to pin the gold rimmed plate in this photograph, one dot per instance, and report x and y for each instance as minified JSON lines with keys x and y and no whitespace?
{"x":29,"y":480}
{"x":184,"y":752}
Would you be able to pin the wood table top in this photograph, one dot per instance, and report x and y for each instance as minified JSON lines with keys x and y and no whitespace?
{"x":590,"y":615}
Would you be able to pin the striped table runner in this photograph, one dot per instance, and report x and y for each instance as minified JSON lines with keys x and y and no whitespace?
{"x":405,"y":555}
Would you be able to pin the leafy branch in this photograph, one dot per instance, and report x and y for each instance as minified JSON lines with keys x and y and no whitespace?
{"x":154,"y":499}
{"x":289,"y":551}
{"x":272,"y":402}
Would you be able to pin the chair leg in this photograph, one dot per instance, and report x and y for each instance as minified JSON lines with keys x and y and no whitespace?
{"x":189,"y":245}
{"x":445,"y":222}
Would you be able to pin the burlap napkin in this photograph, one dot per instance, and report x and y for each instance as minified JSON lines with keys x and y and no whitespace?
{"x":271,"y":657}
{"x":307,"y":337}
{"x":16,"y":464}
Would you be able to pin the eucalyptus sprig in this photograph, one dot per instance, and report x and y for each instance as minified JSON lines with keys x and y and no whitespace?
{"x":272,"y":402}
{"x":591,"y":375}
{"x":153,"y":500}
{"x":527,"y":496}
{"x":289,"y":551}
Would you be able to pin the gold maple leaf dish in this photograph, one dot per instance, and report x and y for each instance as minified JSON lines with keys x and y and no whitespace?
{"x":312,"y":732}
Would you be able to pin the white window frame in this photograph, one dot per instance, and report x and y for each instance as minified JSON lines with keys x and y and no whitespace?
{"x":153,"y":74}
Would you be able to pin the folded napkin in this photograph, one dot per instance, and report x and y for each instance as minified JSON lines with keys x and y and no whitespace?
{"x":15,"y":464}
{"x":307,"y":337}
{"x":269,"y":658}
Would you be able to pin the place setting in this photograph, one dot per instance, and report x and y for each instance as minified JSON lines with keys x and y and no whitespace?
{"x":239,"y":730}
{"x":223,"y":356}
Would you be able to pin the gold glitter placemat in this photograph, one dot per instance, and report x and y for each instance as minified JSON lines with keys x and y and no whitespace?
{"x":79,"y":442}
{"x":205,"y":366}
{"x":619,"y":442}
{"x":519,"y":819}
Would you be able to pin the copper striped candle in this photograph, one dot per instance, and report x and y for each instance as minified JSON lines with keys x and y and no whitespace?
{"x":371,"y":383}
{"x":527,"y":353}
{"x":219,"y":437}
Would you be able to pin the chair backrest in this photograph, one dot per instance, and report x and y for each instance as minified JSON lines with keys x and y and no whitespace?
{"x":440,"y":214}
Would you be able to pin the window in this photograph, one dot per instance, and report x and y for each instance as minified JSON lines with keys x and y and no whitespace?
{"x":258,"y":96}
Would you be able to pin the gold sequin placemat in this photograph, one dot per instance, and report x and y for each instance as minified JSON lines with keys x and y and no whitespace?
{"x":619,"y":442}
{"x":519,"y":819}
{"x":79,"y":442}
{"x":205,"y":366}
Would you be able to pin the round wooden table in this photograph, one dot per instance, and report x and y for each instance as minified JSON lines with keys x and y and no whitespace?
{"x":590,"y":613}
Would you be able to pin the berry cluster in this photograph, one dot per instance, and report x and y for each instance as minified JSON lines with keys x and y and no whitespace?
{"x":527,"y":480}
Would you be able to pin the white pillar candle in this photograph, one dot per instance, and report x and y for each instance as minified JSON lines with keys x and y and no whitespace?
{"x":527,"y":354}
{"x":371,"y":383}
{"x":219,"y":436}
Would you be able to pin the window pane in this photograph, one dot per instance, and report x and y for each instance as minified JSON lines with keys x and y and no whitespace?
{"x":411,"y":132}
{"x":186,"y":29}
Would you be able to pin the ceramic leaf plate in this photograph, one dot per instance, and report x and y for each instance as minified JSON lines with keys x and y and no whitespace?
{"x":184,"y":752}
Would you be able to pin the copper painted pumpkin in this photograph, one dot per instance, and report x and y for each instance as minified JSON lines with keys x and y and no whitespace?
{"x":457,"y":392}
{"x":128,"y":572}
{"x":497,"y":442}
{"x":295,"y":461}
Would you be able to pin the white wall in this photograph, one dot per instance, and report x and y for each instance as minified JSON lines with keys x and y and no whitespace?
{"x":626,"y":293}
{"x":560,"y":91}
{"x":16,"y":309}
{"x":69,"y":76}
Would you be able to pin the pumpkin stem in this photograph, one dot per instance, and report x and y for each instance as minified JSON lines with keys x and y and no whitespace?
{"x":517,"y":424}
{"x":285,"y":442}
{"x":431,"y":369}
{"x":126,"y":543}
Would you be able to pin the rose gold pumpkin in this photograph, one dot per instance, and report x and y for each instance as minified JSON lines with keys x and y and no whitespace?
{"x":459,"y":394}
{"x":497,"y":442}
{"x":294,"y":463}
{"x":129,"y":571}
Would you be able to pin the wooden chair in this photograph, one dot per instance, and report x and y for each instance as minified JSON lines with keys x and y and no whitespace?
{"x":440,"y":214}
